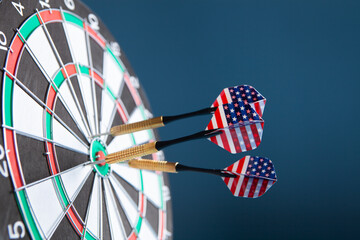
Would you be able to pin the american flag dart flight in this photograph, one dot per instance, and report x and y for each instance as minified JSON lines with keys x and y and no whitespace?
{"x":249,"y":177}
{"x":243,"y":106}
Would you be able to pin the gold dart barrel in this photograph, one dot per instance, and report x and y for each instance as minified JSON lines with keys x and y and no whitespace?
{"x":153,"y":165}
{"x":131,"y":153}
{"x":137,"y":126}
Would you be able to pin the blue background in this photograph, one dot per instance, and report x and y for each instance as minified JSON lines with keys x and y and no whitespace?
{"x":303,"y":56}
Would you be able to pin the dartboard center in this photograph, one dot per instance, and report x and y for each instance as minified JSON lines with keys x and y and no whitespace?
{"x":98,"y":153}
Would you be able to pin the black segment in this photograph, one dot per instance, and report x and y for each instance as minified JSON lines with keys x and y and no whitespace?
{"x":65,"y":229}
{"x":31,"y":76}
{"x":57,"y":34}
{"x":63,"y":114}
{"x":98,"y":93}
{"x":76,"y":85}
{"x":33,"y":159}
{"x":68,"y":159}
{"x":106,"y":226}
{"x":127,"y":99}
{"x":133,"y":193}
{"x":152,"y":215}
{"x":169,"y":213}
{"x":117,"y":121}
{"x":82,"y":200}
{"x":97,"y":55}
{"x":124,"y":219}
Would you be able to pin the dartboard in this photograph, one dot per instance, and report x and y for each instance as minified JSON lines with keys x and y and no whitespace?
{"x":65,"y":80}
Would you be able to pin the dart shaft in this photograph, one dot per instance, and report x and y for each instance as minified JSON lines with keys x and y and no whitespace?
{"x":146,"y":164}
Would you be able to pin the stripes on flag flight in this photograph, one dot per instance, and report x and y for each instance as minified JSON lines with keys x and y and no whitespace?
{"x":239,"y":112}
{"x":255,"y":175}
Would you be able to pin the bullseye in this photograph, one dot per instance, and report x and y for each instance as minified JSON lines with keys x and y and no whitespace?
{"x":98,"y":153}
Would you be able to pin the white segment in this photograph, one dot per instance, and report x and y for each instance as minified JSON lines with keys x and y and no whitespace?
{"x":74,"y":180}
{"x":107,"y":107}
{"x":246,"y":164}
{"x":248,"y":186}
{"x":129,"y":207}
{"x":152,"y":187}
{"x":116,"y":227}
{"x":130,"y":175}
{"x":146,"y":231}
{"x":27,"y":114}
{"x":141,"y":136}
{"x":257,"y":190}
{"x":251,"y":136}
{"x":270,"y":183}
{"x":120,"y":143}
{"x":94,"y":208}
{"x":45,"y":206}
{"x":41,"y":48}
{"x":112,"y":73}
{"x":67,"y":97}
{"x":63,"y":137}
{"x":262,"y":106}
{"x":87,"y":94}
{"x":77,"y":42}
{"x":259,"y":130}
{"x":234,"y":168}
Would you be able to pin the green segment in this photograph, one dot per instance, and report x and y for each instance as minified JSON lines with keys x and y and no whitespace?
{"x":84,"y":70}
{"x":115,"y":58}
{"x":48,"y":126}
{"x":111,"y":93}
{"x":61,"y":191}
{"x":27,"y":215}
{"x":58,"y":80}
{"x":88,"y":236}
{"x":138,"y":225}
{"x":71,"y":18}
{"x":8,"y":95}
{"x":161,"y":195}
{"x":29,"y":26}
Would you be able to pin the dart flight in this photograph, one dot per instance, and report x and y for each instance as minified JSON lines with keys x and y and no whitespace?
{"x":242,"y":105}
{"x":249,"y":177}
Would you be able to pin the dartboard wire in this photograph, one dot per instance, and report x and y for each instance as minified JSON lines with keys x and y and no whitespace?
{"x":88,"y":207}
{"x":49,"y":79}
{"x":50,"y":177}
{"x":111,"y":195}
{"x":101,"y":209}
{"x":63,"y":67}
{"x":96,"y":117}
{"x":114,"y":181}
{"x":22,"y":86}
{"x":69,"y":200}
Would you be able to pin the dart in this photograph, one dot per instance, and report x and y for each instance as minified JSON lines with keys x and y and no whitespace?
{"x":249,"y":177}
{"x":243,"y":98}
{"x":152,"y":147}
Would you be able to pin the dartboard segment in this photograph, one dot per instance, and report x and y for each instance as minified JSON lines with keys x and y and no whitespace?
{"x":63,"y":83}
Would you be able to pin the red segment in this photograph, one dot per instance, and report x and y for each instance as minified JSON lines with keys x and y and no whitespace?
{"x":11,"y":152}
{"x":99,"y":81}
{"x":132,"y":236}
{"x":47,"y":16}
{"x":121,"y":112}
{"x":235,"y":140}
{"x":263,"y":187}
{"x":133,"y":91}
{"x":75,"y":221}
{"x":218,"y":119}
{"x":225,"y":141}
{"x":141,"y":206}
{"x":234,"y":185}
{"x":70,"y":70}
{"x":223,"y":97}
{"x":161,"y":225}
{"x":13,"y":54}
{"x":253,"y":187}
{"x":50,"y":156}
{"x":51,"y":98}
{"x":95,"y":36}
{"x":255,"y":134}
